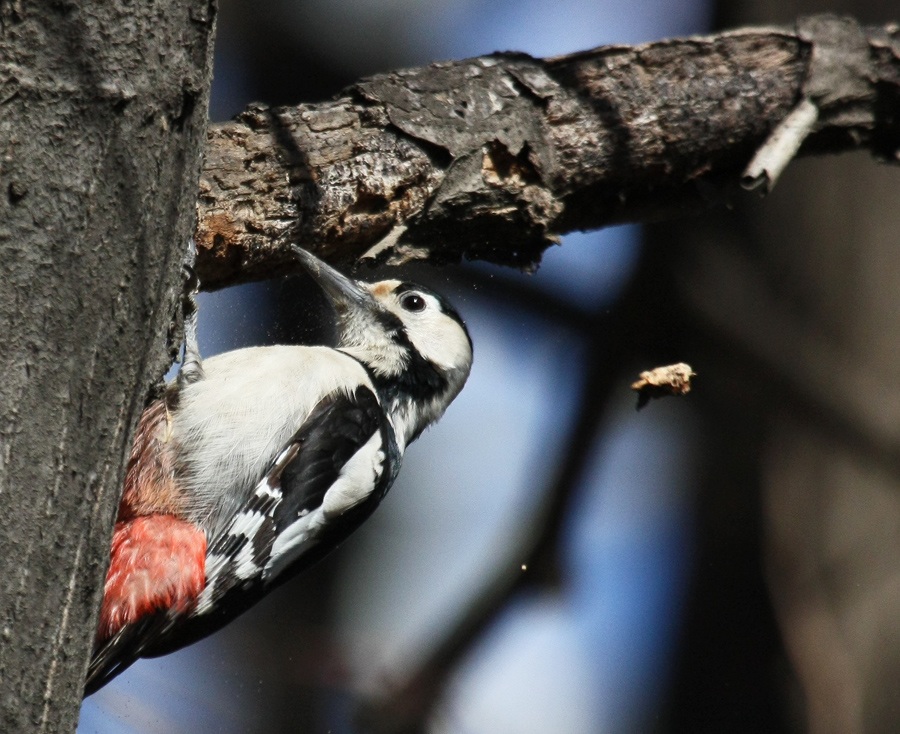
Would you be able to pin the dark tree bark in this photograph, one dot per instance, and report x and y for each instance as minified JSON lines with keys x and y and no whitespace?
{"x":102,"y":119}
{"x":493,"y":157}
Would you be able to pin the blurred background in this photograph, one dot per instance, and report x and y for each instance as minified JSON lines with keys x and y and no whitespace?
{"x":551,"y":560}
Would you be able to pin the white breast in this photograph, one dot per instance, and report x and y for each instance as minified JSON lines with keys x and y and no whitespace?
{"x":229,"y":426}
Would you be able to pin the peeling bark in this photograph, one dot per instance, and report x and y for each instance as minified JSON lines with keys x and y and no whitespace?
{"x":493,"y":157}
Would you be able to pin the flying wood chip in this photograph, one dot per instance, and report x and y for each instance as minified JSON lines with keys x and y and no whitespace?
{"x":673,"y":379}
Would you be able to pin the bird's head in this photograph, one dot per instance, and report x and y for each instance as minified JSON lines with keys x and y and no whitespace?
{"x":413,"y":341}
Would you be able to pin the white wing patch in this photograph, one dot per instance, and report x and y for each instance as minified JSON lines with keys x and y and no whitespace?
{"x":357,"y":479}
{"x":292,"y":541}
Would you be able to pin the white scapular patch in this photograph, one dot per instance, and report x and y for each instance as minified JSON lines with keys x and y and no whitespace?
{"x":354,"y":484}
{"x":292,"y":541}
{"x":357,"y":479}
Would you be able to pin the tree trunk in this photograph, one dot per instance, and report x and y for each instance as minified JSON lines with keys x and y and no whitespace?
{"x":102,"y":119}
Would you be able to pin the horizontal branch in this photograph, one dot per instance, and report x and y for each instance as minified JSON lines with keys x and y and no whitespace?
{"x":494,"y":157}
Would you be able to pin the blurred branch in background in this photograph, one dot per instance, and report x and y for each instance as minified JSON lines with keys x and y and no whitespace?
{"x":532,"y":558}
{"x":794,"y":310}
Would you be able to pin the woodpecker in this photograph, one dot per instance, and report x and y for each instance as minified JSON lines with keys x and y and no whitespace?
{"x":256,"y":463}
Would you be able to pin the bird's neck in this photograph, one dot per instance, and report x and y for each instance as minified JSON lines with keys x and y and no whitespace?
{"x":386,"y":360}
{"x":412,"y":390}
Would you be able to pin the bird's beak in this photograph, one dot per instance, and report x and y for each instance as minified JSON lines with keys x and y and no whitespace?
{"x":351,"y":300}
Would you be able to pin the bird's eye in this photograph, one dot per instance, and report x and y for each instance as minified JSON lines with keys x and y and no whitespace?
{"x":412,"y":302}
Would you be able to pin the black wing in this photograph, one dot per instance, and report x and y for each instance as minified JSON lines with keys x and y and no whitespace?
{"x":285,"y":516}
{"x":256,"y":551}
